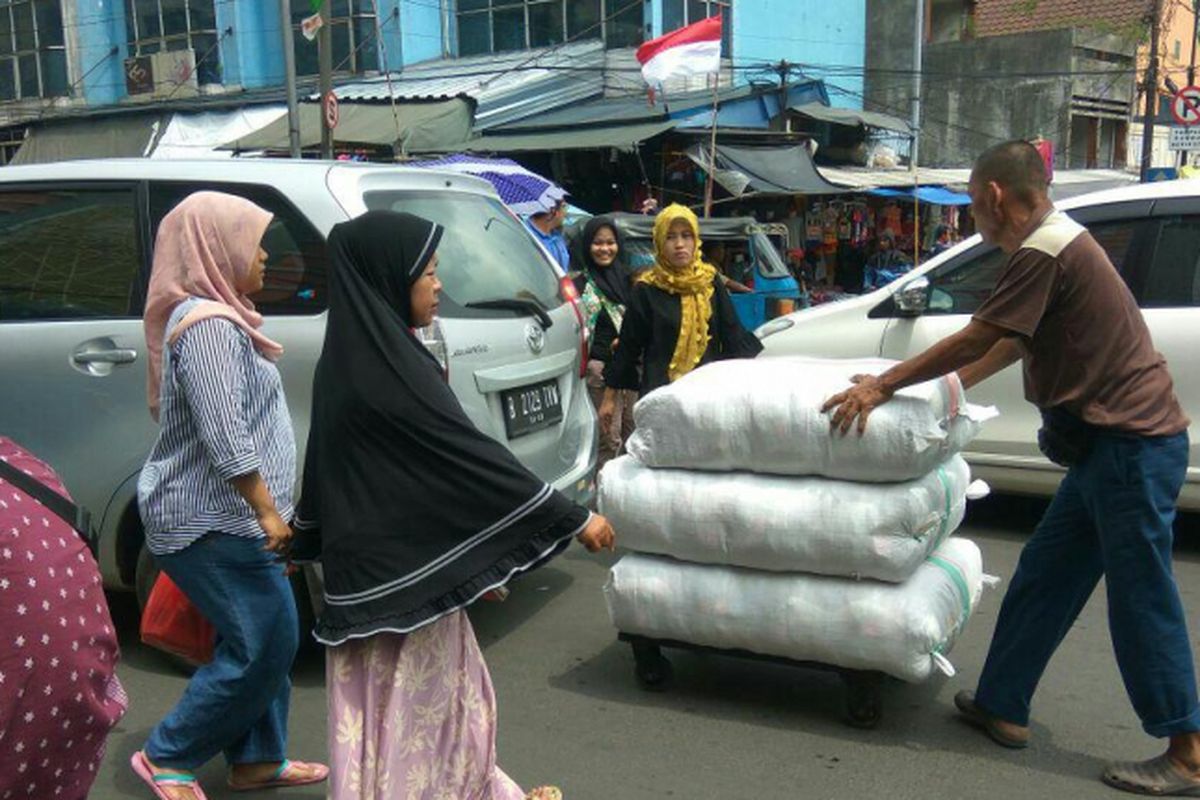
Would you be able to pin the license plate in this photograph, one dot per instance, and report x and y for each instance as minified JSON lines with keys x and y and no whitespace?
{"x":531,"y":408}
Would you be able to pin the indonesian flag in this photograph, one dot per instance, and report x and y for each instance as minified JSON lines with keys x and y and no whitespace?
{"x":694,"y":50}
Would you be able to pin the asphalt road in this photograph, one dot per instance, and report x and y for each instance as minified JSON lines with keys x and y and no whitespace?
{"x":571,"y":713}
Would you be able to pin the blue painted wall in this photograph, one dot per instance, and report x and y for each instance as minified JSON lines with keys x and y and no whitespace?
{"x":420,"y":33}
{"x":817,"y":33}
{"x":100,"y":25}
{"x":252,"y":54}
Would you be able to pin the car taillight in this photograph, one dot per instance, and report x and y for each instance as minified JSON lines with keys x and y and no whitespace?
{"x":568,"y":292}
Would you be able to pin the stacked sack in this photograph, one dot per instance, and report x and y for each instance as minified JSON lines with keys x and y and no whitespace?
{"x":755,"y":527}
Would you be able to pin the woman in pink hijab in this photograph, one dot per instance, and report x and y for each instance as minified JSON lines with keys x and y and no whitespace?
{"x":215,"y":496}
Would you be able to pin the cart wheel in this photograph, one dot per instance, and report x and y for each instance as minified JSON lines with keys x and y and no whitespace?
{"x":864,"y":699}
{"x":652,"y":667}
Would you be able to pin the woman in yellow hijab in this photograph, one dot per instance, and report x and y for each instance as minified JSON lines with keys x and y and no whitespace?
{"x":679,"y":316}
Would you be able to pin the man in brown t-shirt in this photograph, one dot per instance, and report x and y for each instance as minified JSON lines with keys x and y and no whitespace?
{"x":1110,"y":415}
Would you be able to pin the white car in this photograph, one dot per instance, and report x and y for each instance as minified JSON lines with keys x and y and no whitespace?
{"x":1152,"y":235}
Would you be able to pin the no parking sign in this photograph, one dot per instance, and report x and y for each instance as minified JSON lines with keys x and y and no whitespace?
{"x":1185,"y":105}
{"x":329,"y":105}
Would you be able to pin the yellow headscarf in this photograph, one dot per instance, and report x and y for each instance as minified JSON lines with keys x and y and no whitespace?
{"x":693,"y":285}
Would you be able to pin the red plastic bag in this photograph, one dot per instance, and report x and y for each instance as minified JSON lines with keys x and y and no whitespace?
{"x":170,"y":622}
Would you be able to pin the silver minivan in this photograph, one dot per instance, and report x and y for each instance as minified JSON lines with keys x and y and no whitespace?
{"x":76,"y":240}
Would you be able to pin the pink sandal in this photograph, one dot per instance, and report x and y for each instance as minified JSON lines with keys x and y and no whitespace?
{"x":156,"y":782}
{"x":319,"y":772}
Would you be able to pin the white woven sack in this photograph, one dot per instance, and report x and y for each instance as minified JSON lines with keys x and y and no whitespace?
{"x":903,"y":629}
{"x":764,"y":415}
{"x":786,"y":524}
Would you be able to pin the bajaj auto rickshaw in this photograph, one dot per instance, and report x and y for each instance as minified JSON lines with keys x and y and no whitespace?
{"x":740,"y":248}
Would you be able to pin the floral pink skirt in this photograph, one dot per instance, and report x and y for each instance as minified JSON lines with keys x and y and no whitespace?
{"x":413,"y":717}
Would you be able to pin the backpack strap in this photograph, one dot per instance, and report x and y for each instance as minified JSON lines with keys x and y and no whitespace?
{"x":77,"y":517}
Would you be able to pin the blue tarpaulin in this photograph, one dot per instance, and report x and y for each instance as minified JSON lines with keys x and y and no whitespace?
{"x":935,"y":195}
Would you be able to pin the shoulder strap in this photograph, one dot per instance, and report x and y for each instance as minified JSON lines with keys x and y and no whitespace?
{"x":76,"y":516}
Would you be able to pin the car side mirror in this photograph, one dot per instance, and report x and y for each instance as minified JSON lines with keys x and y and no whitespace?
{"x":912,"y":299}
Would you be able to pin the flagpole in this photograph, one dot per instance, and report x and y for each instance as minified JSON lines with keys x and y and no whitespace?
{"x":712,"y":150}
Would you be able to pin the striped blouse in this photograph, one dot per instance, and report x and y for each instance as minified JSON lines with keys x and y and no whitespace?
{"x":222,"y":414}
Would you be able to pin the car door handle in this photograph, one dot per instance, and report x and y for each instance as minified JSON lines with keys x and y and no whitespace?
{"x":116,"y":356}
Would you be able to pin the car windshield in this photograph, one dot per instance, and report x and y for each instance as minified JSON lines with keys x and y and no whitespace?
{"x":485,"y":254}
{"x":770,"y":264}
{"x":639,"y":253}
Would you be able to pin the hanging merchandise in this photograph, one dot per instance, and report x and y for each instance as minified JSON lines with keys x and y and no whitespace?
{"x":845,"y":224}
{"x":890,"y":219}
{"x":829,"y":229}
{"x":814,"y":222}
{"x":857,"y":218}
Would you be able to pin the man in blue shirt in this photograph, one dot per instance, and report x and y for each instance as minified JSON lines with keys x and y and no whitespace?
{"x":547,"y":228}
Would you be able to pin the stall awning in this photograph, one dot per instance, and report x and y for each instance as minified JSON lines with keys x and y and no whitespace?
{"x":846,"y":116}
{"x":414,"y":127}
{"x":119,"y":136}
{"x":786,"y":169}
{"x":935,"y":195}
{"x":200,"y":135}
{"x":620,"y":137}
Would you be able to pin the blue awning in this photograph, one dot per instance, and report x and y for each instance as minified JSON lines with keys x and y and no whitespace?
{"x":754,"y":110}
{"x":934,"y":195}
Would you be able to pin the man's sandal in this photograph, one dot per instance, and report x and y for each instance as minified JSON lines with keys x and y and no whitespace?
{"x":1158,"y":777}
{"x":158,"y":782}
{"x":290,"y":773}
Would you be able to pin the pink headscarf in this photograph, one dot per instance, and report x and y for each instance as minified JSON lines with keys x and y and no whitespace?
{"x":204,"y":248}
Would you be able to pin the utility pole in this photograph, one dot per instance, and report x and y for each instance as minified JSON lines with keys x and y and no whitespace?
{"x":1151,"y":87}
{"x":1185,"y":156}
{"x":918,"y":57}
{"x":289,"y":68}
{"x":1195,"y":36}
{"x":325,"y":61}
{"x":914,"y":153}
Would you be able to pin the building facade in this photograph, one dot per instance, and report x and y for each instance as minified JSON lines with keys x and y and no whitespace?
{"x":67,"y":55}
{"x":1062,"y":70}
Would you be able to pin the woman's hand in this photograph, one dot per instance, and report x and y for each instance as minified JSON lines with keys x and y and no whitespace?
{"x":279,"y":533}
{"x":598,"y":535}
{"x":608,"y":409}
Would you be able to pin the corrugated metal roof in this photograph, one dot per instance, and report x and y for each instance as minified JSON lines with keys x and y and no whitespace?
{"x":870,"y":178}
{"x":1066,"y":182}
{"x":506,"y":87}
{"x":619,"y":137}
{"x":681,"y":107}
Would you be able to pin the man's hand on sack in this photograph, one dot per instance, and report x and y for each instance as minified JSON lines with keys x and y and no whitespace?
{"x":857,"y":403}
{"x":598,"y":535}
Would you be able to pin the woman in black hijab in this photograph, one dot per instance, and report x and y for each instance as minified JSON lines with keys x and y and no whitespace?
{"x":605,"y":286}
{"x":414,"y":514}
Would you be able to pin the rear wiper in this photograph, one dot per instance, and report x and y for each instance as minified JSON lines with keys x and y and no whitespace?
{"x":518,"y":304}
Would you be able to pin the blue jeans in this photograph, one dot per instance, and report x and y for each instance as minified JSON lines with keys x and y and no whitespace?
{"x":238,"y":702}
{"x":1112,"y":516}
